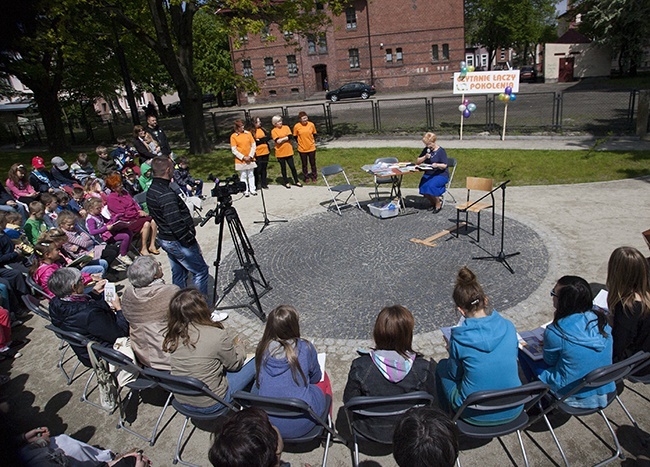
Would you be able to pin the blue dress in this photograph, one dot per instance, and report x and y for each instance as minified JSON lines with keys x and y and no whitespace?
{"x":433,"y":181}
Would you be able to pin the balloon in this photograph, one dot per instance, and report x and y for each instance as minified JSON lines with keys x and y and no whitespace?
{"x":508,"y":90}
{"x":513,"y":97}
{"x":463,"y":69}
{"x":467,"y":113}
{"x":502,"y":96}
{"x":463,"y":64}
{"x":471,"y":68}
{"x":465,"y":102}
{"x":463,"y":74}
{"x":471,"y":107}
{"x":461,"y":108}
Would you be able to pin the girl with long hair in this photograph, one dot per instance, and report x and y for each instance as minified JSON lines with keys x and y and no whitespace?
{"x":205,"y":350}
{"x":18,"y":184}
{"x":628,"y":300}
{"x":578,"y":341}
{"x":482,"y":353}
{"x":287,"y":366}
{"x":391,"y":368}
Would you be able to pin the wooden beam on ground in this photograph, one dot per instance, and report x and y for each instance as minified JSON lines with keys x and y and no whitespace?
{"x":429,"y":240}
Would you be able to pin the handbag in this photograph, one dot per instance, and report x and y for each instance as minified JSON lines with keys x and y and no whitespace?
{"x":105,"y":381}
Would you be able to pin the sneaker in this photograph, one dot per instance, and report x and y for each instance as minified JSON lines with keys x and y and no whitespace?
{"x":254,"y":193}
{"x":218,"y":316}
{"x":126,"y":259}
{"x":14,"y":324}
{"x":247,"y":194}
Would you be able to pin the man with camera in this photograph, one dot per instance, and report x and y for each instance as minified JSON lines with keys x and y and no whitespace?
{"x":176,"y":231}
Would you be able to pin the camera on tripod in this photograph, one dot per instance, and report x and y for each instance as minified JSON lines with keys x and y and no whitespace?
{"x":224,"y":189}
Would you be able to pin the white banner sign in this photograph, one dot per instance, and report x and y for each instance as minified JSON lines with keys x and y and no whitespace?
{"x":486,"y":82}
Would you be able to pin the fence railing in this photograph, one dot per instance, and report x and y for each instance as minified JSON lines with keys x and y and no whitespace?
{"x":592,"y":112}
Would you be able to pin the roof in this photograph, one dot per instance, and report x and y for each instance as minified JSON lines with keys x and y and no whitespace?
{"x":572,"y":36}
{"x":14,"y":106}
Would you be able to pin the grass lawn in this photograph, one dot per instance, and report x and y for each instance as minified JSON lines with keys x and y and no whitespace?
{"x":523,"y":167}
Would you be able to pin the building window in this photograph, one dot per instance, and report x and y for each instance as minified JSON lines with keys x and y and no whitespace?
{"x":322,"y":44}
{"x":398,"y":55}
{"x":295,"y":91}
{"x":288,"y":34}
{"x":484,"y":60}
{"x":469,"y":59}
{"x":247,"y":69}
{"x":273,"y":93}
{"x":389,"y":55}
{"x":434,"y":53}
{"x":445,"y":51}
{"x":350,"y":18}
{"x":311,"y":45}
{"x":503,"y":53}
{"x":354,"y":58}
{"x":269,"y":67}
{"x":243,"y":38}
{"x":292,"y":66}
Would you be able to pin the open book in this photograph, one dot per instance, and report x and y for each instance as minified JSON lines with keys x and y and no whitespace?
{"x":80,"y":261}
{"x":446,"y":331}
{"x":532,"y":342}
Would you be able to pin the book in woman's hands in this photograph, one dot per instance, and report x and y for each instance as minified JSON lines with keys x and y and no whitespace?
{"x":532,"y":342}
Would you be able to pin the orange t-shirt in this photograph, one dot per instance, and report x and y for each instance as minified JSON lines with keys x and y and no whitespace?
{"x":283,"y":149}
{"x":243,"y":142}
{"x":261,"y":149}
{"x":305,"y":136}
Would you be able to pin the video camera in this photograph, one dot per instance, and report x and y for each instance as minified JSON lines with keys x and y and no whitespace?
{"x":224,"y":189}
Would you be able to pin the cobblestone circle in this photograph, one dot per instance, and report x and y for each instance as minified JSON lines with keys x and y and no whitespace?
{"x":339,"y":271}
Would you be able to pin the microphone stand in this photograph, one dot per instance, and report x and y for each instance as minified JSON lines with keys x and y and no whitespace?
{"x":501,"y":257}
{"x":266,"y":220}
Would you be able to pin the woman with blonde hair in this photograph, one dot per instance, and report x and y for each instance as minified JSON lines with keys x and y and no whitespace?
{"x":390,"y":369}
{"x":434,"y":180}
{"x":205,"y":350}
{"x":287,"y":366}
{"x":628,"y":300}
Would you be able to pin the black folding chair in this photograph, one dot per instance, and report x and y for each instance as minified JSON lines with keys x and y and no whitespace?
{"x":187,"y":386}
{"x":342,"y":185}
{"x":360,"y":409}
{"x":141,"y":383}
{"x":495,"y":401}
{"x":291,"y":408}
{"x":33,"y":304}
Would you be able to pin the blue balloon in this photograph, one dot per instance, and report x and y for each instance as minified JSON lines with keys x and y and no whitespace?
{"x":513,"y":97}
{"x":508,"y":90}
{"x":471,"y":107}
{"x":467,"y":113}
{"x":462,"y":64}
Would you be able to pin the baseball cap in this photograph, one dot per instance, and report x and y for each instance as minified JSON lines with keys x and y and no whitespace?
{"x":59,"y":163}
{"x":38,"y":162}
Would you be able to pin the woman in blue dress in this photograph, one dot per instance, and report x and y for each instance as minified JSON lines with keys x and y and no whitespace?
{"x":432,"y":184}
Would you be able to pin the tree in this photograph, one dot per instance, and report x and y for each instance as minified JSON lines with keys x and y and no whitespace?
{"x":620,"y":24}
{"x":167,"y":29}
{"x":501,"y":23}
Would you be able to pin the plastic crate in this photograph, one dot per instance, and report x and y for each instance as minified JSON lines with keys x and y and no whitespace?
{"x":384,"y":210}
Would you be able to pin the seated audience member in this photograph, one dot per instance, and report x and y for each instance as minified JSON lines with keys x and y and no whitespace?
{"x":578,"y":341}
{"x":40,"y":178}
{"x":131,"y":182}
{"x":425,"y":437}
{"x":61,"y":173}
{"x":11,"y":256}
{"x":19,"y":186}
{"x":46,"y":262}
{"x":390,"y":369}
{"x":58,"y":237}
{"x":82,"y":169}
{"x":482,"y":353}
{"x":153,"y":145}
{"x":123,"y":207}
{"x":52,"y":209}
{"x":9,"y":204}
{"x":123,"y":155}
{"x":191,"y":186}
{"x":105,"y":163}
{"x":94,"y":189}
{"x":144,"y":152}
{"x":35,"y":225}
{"x":16,"y":233}
{"x":80,"y":243}
{"x":146,"y":304}
{"x":205,"y":350}
{"x":247,"y":439}
{"x":628,"y":300}
{"x":88,"y":315}
{"x":108,"y":231}
{"x":76,"y":202}
{"x":7,"y":346}
{"x":147,"y":176}
{"x":287,"y":367}
{"x":62,"y":199}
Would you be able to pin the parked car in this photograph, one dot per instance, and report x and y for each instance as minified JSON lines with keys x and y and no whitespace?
{"x":175,"y":109}
{"x":528,"y":73}
{"x":362,"y":90}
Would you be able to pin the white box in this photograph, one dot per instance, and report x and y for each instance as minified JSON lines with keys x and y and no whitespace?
{"x":383,"y":210}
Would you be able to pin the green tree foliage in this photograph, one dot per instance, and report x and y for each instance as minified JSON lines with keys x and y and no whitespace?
{"x":620,"y":24}
{"x":501,"y":23}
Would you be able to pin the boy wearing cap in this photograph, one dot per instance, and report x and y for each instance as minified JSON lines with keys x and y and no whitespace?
{"x":61,"y":172}
{"x":40,"y":178}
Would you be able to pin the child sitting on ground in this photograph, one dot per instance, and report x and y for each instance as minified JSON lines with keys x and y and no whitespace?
{"x":82,"y":169}
{"x":191,"y":186}
{"x":109,"y":232}
{"x":35,"y":225}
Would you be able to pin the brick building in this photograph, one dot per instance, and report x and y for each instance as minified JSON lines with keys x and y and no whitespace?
{"x":397,"y":46}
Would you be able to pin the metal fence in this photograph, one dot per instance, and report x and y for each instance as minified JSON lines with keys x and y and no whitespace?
{"x":593,"y":112}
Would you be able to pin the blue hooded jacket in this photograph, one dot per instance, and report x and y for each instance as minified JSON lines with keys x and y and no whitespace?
{"x":572,"y":348}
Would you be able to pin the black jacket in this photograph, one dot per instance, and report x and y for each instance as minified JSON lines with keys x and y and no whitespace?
{"x":174,"y":220}
{"x":5,"y":195}
{"x":159,"y":135}
{"x":41,"y":186}
{"x":91,"y":317}
{"x":63,"y":177}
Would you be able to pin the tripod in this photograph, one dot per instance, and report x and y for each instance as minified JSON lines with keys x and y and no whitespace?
{"x":250,"y":273}
{"x":266,"y":220}
{"x":501,"y":257}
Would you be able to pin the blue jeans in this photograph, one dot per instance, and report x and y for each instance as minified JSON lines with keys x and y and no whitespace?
{"x":96,"y":266}
{"x":237,"y":381}
{"x":185,"y":259}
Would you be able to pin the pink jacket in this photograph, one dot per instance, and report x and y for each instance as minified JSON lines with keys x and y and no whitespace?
{"x":123,"y":207}
{"x":45,"y":271}
{"x":22,"y":189}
